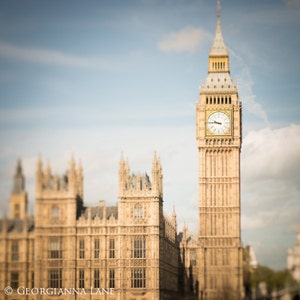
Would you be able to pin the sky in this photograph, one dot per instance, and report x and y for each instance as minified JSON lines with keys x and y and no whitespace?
{"x":97,"y":79}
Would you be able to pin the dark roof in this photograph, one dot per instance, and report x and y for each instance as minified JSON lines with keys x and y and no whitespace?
{"x":98,"y":211}
{"x":17,"y":224}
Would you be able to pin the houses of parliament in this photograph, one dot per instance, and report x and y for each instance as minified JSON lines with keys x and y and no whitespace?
{"x":133,"y":251}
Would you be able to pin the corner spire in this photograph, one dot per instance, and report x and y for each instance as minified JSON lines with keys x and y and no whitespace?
{"x":218,"y":46}
{"x":19,"y":180}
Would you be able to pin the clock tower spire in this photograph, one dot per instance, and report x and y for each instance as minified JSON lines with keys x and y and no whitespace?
{"x":218,"y":127}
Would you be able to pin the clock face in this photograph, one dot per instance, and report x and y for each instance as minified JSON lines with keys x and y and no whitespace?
{"x":218,"y":123}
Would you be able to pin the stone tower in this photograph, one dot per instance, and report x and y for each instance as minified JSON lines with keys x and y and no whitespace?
{"x":18,"y":197}
{"x":219,"y":136}
{"x":58,"y":205}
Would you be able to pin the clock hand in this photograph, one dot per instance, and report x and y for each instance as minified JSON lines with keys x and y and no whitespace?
{"x":215,"y":122}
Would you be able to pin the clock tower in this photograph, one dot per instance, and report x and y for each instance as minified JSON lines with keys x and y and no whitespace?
{"x":219,"y":135}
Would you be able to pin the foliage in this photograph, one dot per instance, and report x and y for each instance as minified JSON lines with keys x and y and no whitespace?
{"x":253,"y":276}
{"x":273,"y":279}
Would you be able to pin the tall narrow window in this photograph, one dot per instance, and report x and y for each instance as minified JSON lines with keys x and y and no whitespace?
{"x":55,"y":248}
{"x":32,"y":280}
{"x":138,"y":212}
{"x":225,"y":257}
{"x":112,"y":278}
{"x":55,"y":278}
{"x":193,"y":257}
{"x":213,"y":281}
{"x":97,"y":278}
{"x":97,"y":249}
{"x":138,"y":248}
{"x":138,"y":278}
{"x":32,"y":251}
{"x":81,"y":248}
{"x":14,"y":251}
{"x":55,"y":212}
{"x":17,"y":211}
{"x":111,"y":248}
{"x":14,"y":280}
{"x":81,"y":279}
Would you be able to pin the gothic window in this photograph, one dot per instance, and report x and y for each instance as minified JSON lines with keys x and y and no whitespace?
{"x":14,"y":251}
{"x":14,"y":280}
{"x":97,"y":278}
{"x":193,"y":258}
{"x":97,"y":249}
{"x":81,"y":248}
{"x":55,"y":248}
{"x":55,"y":278}
{"x":138,"y":248}
{"x":138,"y":278}
{"x":138,"y":212}
{"x":111,"y":248}
{"x":55,"y":212}
{"x":111,"y":278}
{"x":81,"y":279}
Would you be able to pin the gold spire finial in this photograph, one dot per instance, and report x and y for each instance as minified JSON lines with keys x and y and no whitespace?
{"x":218,"y":9}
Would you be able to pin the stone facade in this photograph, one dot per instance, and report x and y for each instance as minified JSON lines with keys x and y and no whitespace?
{"x":217,"y":271}
{"x":68,"y":245}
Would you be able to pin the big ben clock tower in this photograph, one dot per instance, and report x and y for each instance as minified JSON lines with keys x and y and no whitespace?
{"x":219,"y":136}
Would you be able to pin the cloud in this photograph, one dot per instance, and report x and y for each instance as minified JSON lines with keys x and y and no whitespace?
{"x":246,"y":90}
{"x":188,"y":39}
{"x":46,"y":56}
{"x":292,"y":3}
{"x":276,"y":154}
{"x":270,"y":189}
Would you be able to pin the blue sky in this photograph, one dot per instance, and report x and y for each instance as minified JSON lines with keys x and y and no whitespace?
{"x":95,"y":79}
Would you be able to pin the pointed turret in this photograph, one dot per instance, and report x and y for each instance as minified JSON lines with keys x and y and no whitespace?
{"x":19,"y":180}
{"x":79,"y":176}
{"x":123,"y":174}
{"x":18,"y":198}
{"x":218,"y":61}
{"x":39,"y":176}
{"x":157,"y":174}
{"x":218,"y":47}
{"x":47,"y":177}
{"x":174,"y":218}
